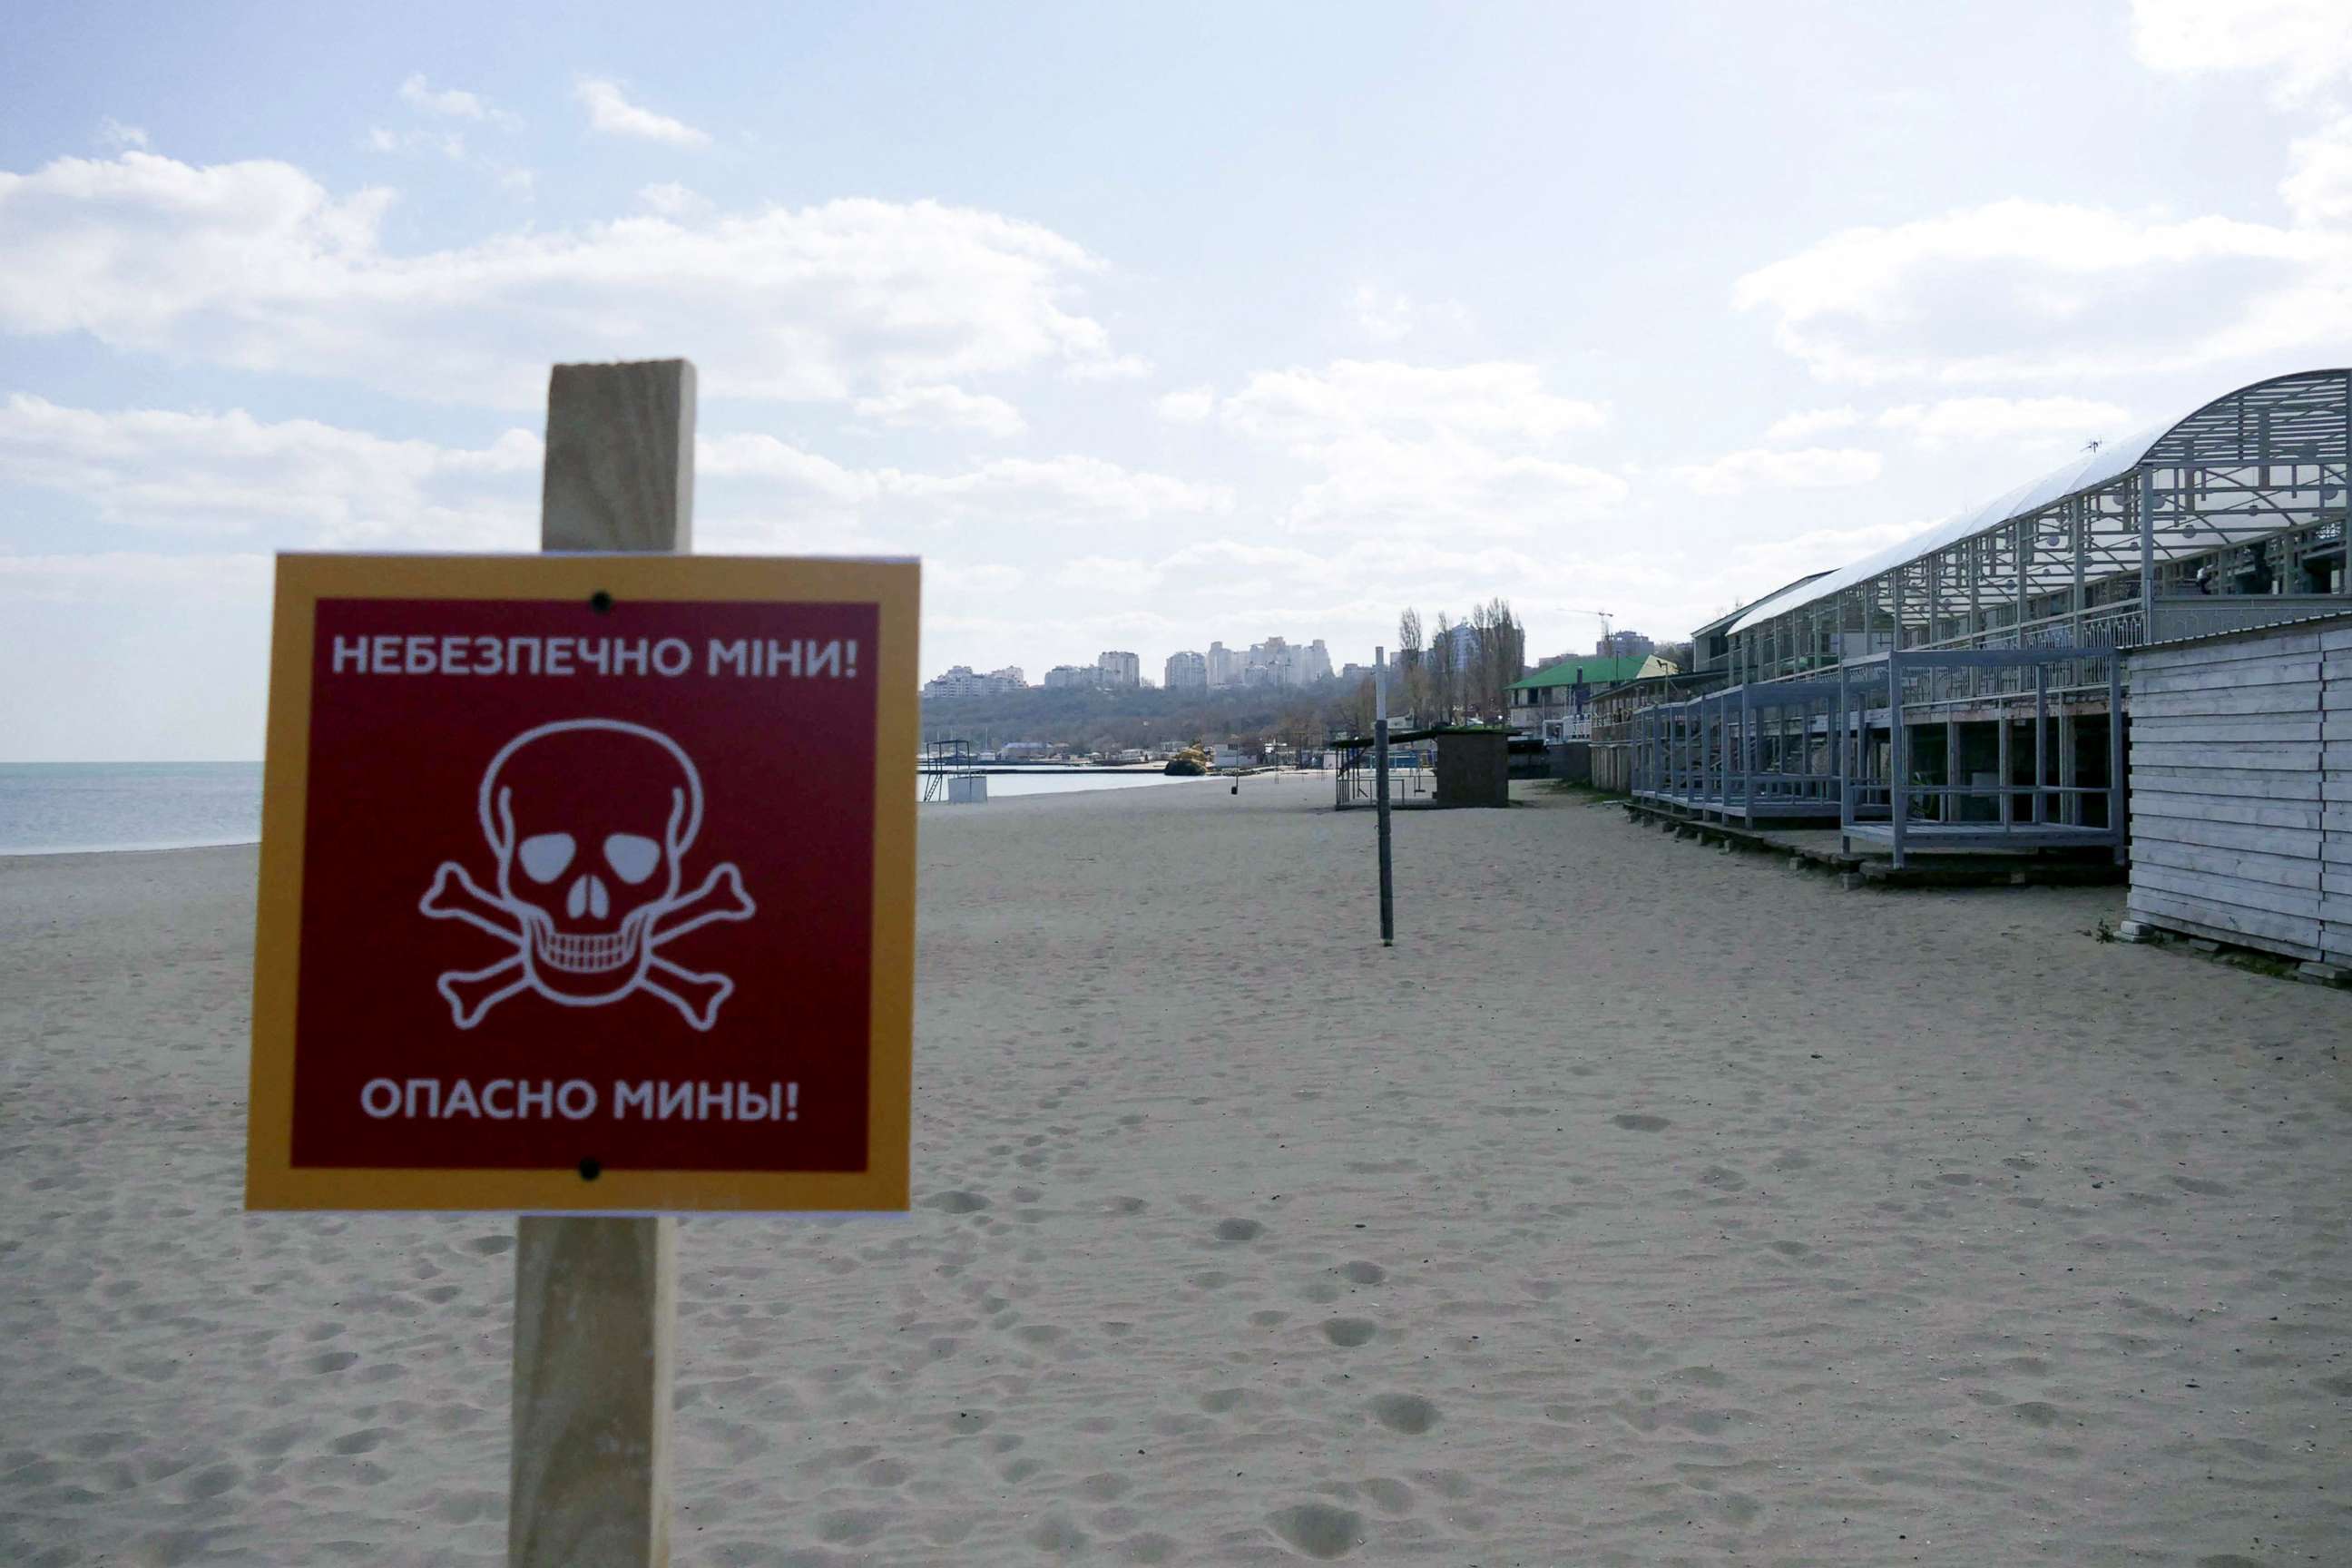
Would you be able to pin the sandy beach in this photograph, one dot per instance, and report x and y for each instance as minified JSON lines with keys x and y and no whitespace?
{"x":1643,"y":1205}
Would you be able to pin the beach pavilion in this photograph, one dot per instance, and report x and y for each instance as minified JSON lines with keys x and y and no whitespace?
{"x":1961,"y":689}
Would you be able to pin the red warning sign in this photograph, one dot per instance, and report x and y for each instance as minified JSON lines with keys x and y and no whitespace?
{"x":586,"y":885}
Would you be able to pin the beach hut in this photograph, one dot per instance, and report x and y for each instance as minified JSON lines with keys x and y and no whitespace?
{"x":2242,"y":788}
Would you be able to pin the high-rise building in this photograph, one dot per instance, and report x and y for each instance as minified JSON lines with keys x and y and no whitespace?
{"x":1225,"y":666}
{"x":1064,"y":674}
{"x":1187,"y":671}
{"x":1121,"y":670}
{"x":962,"y":680}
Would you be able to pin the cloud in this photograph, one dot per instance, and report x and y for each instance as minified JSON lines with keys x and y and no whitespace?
{"x":1803,"y":468}
{"x":297,"y":482}
{"x":1388,"y":317}
{"x":1069,"y":490}
{"x":1807,"y":422}
{"x":113,"y":135}
{"x":2318,"y":185}
{"x":114,"y":576}
{"x":2041,"y":421}
{"x":449,"y":103}
{"x":1115,"y":367}
{"x":1188,"y":406}
{"x":611,"y":113}
{"x":946,"y":407}
{"x":2305,"y":44}
{"x":207,"y":477}
{"x":2019,"y":290}
{"x":1353,"y":398}
{"x":258,"y":266}
{"x":1400,"y":447}
{"x":450,"y":144}
{"x":672,"y":200}
{"x":1385,"y":317}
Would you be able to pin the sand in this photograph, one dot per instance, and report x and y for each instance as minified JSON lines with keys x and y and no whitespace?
{"x":1643,"y":1205}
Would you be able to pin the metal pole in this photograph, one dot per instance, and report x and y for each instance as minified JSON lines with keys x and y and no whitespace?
{"x":2040,"y":742}
{"x":1380,"y":782}
{"x":1899,"y":777}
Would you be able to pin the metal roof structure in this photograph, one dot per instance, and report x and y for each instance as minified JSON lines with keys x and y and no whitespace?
{"x":2252,"y":485}
{"x":2291,"y":423}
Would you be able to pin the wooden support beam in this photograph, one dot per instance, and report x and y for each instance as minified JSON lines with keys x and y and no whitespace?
{"x":596,"y":1298}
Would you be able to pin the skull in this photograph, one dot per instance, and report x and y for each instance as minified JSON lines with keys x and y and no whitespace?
{"x":588,"y":820}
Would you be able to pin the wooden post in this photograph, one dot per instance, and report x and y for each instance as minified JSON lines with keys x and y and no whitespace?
{"x":596,"y":1299}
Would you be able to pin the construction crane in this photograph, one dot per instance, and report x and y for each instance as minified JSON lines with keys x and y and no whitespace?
{"x":1607,"y":634}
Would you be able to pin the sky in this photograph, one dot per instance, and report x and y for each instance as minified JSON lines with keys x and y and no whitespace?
{"x":1144,"y":327}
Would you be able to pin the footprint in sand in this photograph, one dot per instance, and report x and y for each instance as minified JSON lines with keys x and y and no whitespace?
{"x":1640,"y":1121}
{"x":955,"y":1203}
{"x":1320,"y":1530}
{"x":1239,"y":1230}
{"x":1350,"y":1331}
{"x":1407,"y":1413}
{"x":1364,"y":1273}
{"x":1723,"y":1179}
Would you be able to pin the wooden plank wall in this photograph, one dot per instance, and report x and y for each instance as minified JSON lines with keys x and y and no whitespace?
{"x":2241,"y":789}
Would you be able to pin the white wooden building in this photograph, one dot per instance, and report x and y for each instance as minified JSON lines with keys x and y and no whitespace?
{"x":2241,"y":779}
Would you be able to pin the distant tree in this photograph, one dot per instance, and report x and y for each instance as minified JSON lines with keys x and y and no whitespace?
{"x":1409,"y":636}
{"x":1440,"y":660}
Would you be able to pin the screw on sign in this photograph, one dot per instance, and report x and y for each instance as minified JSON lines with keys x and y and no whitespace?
{"x":596,"y":815}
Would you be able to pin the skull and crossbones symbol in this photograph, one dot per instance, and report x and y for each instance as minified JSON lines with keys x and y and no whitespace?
{"x":589,"y":821}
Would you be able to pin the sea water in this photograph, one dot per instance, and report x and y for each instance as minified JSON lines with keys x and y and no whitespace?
{"x":57,"y":808}
{"x":54,"y":808}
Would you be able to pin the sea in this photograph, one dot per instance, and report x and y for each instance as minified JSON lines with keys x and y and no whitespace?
{"x":64,"y":809}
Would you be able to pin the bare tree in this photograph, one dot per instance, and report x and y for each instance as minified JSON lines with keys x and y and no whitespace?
{"x":1444,"y":676}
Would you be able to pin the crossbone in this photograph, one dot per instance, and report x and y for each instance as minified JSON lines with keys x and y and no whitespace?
{"x":471,"y":993}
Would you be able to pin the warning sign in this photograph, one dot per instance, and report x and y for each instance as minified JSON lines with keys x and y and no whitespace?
{"x":586,"y":884}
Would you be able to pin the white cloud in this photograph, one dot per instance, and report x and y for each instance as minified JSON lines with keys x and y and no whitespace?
{"x":2032,"y":421}
{"x":1809,"y":421}
{"x":111,"y":576}
{"x":297,"y":482}
{"x":2318,"y":185}
{"x":450,"y":144}
{"x":113,"y":135}
{"x":2306,"y":43}
{"x":1803,"y":468}
{"x":302,"y":484}
{"x":450,"y":103}
{"x":1376,"y":485}
{"x":1400,"y":447}
{"x":1188,"y":406}
{"x":256,"y":266}
{"x":1353,"y":398}
{"x":2020,"y":289}
{"x":1114,"y":367}
{"x":1094,"y":575}
{"x":610,"y":110}
{"x":1068,"y":488}
{"x":1386,"y":315}
{"x":671,"y":199}
{"x":948,"y":407}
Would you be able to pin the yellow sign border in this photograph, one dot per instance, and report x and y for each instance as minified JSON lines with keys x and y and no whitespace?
{"x":274,"y":1182}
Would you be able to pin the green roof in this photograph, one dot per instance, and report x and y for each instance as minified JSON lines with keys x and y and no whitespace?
{"x":1595,"y":671}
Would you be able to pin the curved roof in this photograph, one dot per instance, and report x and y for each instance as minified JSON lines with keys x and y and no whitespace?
{"x":2092,"y":471}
